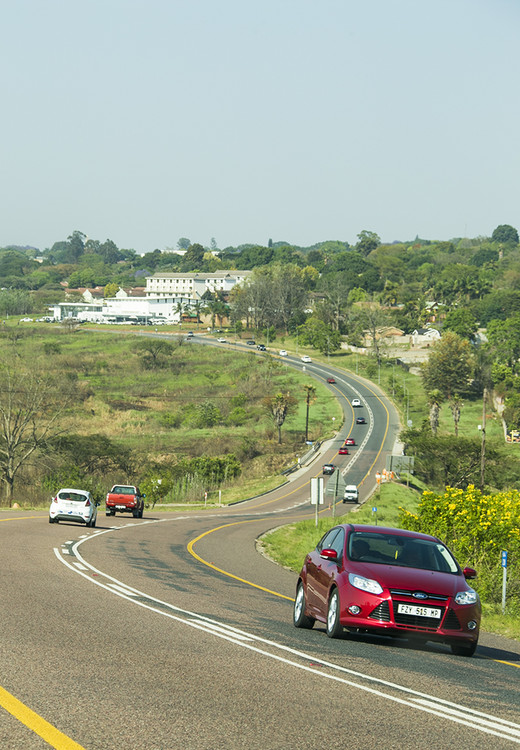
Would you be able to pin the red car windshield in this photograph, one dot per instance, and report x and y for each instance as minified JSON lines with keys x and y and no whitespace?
{"x":392,"y":549}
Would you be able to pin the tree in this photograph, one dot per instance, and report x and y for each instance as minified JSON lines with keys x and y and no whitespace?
{"x":446,"y":461}
{"x":511,"y":413}
{"x":504,"y":339}
{"x":193,"y":258}
{"x":32,"y":408}
{"x":368,"y":241}
{"x":310,"y":396}
{"x":456,"y":406}
{"x":462,"y":322}
{"x":505,"y":233}
{"x":434,"y":400}
{"x":183,"y":243}
{"x":316,"y":333}
{"x":449,"y":367}
{"x":279,"y":407}
{"x":371,"y":317}
{"x":154,"y":352}
{"x":111,"y":290}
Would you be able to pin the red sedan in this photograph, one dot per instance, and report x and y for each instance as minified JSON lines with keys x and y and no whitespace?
{"x":391,"y":582}
{"x":330,"y":380}
{"x":350,"y":441}
{"x":343,"y":451}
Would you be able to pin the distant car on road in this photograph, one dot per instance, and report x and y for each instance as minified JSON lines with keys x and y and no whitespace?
{"x":250,"y":342}
{"x":261,"y":347}
{"x":221,"y":340}
{"x":328,"y":469}
{"x":361,"y":420}
{"x":73,"y":505}
{"x":351,"y":494}
{"x":282,"y":353}
{"x":356,"y":402}
{"x":330,"y":380}
{"x":350,"y":441}
{"x":306,"y":358}
{"x":343,"y":451}
{"x":189,"y":335}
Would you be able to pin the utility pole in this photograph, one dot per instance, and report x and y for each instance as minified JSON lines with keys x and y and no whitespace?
{"x":483,"y":448}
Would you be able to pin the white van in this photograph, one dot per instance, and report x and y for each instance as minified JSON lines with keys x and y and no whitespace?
{"x":351,"y":494}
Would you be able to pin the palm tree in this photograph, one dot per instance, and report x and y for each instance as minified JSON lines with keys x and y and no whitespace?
{"x":456,"y":406}
{"x":310,"y":391}
{"x":179,"y":308}
{"x":198,"y":306}
{"x":278,"y":407}
{"x":435,"y":400}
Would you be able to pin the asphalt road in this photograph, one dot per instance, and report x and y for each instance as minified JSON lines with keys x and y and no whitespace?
{"x":174,"y":632}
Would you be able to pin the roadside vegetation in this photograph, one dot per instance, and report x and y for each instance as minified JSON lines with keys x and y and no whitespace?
{"x":90,"y":408}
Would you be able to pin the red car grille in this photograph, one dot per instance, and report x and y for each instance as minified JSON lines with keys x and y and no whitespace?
{"x":418,"y":622}
{"x":448,"y":620}
{"x":381,"y":613}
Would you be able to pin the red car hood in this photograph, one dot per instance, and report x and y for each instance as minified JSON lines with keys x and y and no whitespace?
{"x":412,"y":579}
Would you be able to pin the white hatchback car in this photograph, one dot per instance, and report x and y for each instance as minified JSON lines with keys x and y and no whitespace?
{"x":73,"y":505}
{"x":306,"y":358}
{"x":356,"y":402}
{"x":282,"y":353}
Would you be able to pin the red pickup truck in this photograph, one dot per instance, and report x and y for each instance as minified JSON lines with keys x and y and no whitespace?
{"x":125,"y":498}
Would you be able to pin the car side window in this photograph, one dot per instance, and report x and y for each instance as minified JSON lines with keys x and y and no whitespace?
{"x":327,"y":541}
{"x":338,"y":543}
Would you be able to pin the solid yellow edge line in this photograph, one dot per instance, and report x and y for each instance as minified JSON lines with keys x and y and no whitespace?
{"x":224,"y":572}
{"x":33,"y":721}
{"x":509,"y":663}
{"x":20,"y":518}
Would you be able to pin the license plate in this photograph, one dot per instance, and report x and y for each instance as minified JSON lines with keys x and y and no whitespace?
{"x":409,"y":609}
{"x":120,"y":507}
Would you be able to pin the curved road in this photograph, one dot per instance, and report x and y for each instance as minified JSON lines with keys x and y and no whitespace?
{"x":174,"y":632}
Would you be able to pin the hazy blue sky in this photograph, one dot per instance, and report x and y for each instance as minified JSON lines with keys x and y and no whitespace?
{"x":142,"y":121}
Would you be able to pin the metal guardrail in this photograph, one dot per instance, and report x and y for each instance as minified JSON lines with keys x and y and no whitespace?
{"x":304,"y":459}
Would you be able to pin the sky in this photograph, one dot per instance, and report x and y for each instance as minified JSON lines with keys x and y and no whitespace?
{"x":144,"y":121}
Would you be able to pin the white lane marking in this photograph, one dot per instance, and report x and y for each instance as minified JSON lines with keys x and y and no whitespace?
{"x":515,"y":729}
{"x":123,"y":589}
{"x":225,"y":630}
{"x":419,"y":701}
{"x":79,"y":565}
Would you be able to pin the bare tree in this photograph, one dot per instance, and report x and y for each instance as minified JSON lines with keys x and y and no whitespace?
{"x":33,"y":407}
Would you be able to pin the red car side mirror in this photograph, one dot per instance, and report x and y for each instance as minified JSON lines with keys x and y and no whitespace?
{"x":469,"y":573}
{"x":329,"y":554}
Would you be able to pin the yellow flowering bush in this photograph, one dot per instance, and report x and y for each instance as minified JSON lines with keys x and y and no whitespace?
{"x":476,"y":527}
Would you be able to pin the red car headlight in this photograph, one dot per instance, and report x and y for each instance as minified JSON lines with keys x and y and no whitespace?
{"x":365,"y":584}
{"x":466,"y":597}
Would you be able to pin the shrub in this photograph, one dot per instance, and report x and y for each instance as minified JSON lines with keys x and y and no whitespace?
{"x":477,"y":528}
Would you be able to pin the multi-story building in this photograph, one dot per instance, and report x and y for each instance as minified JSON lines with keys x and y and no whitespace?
{"x":166,"y":297}
{"x":192,"y":286}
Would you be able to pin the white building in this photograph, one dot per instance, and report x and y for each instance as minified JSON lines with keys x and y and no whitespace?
{"x":193,"y":285}
{"x":164,"y":295}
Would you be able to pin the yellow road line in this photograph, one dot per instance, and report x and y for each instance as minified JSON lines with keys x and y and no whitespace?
{"x":33,"y":721}
{"x":20,"y":518}
{"x":509,"y":663}
{"x":224,"y":572}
